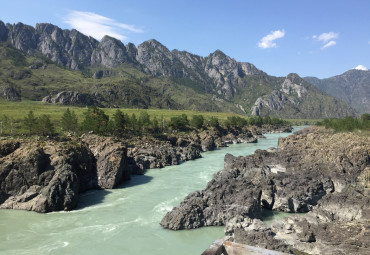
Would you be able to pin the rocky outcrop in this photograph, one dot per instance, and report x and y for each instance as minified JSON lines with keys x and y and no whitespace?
{"x":313,"y":171}
{"x":49,"y":176}
{"x":340,"y":224}
{"x":294,"y":96}
{"x":111,"y":160}
{"x":45,"y":179}
{"x":111,"y":53}
{"x":171,"y":150}
{"x":220,"y":201}
{"x":9,"y":93}
{"x":71,"y":98}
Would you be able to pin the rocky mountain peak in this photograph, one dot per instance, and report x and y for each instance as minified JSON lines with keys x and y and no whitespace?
{"x":351,"y":87}
{"x":46,"y":28}
{"x":110,"y":52}
{"x":3,"y":32}
{"x":294,"y":78}
{"x":23,"y":37}
{"x":293,"y":84}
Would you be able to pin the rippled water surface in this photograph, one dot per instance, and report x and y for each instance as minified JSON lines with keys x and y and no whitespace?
{"x":124,"y":220}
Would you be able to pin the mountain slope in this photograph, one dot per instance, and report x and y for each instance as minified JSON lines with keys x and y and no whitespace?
{"x":353,"y":87}
{"x":44,"y":61}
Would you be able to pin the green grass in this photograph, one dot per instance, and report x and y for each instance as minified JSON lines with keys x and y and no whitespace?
{"x":18,"y":110}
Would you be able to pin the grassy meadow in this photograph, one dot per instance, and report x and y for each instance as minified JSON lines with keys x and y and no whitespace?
{"x":17,"y":111}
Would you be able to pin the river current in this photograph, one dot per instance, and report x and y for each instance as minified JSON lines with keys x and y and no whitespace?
{"x":124,"y":220}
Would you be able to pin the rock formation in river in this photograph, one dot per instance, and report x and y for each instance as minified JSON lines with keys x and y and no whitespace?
{"x":314,"y":171}
{"x":48,"y":176}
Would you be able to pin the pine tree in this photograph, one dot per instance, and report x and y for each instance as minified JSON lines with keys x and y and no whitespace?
{"x":120,"y":122}
{"x":30,"y":122}
{"x":69,"y":121}
{"x":95,"y":120}
{"x":44,"y":125}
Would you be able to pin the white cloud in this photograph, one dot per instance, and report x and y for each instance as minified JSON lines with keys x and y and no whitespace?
{"x":327,"y":39}
{"x":331,"y":43}
{"x":268,"y":40}
{"x":98,"y":26}
{"x":360,"y":67}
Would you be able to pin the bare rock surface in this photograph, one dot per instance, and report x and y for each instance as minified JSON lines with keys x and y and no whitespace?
{"x":312,"y":171}
{"x":48,"y":176}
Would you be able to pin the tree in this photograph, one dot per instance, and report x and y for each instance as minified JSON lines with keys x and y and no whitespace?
{"x":197,"y":121}
{"x":179,"y":123}
{"x":213,"y":122}
{"x":30,"y":122}
{"x":95,"y":120}
{"x":120,"y":122}
{"x":69,"y":121}
{"x":155,"y":125}
{"x":44,"y":125}
{"x":4,"y":123}
{"x":144,"y":120}
{"x":236,"y":121}
{"x":134,"y":124}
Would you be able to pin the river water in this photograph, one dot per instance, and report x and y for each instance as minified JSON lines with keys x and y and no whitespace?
{"x":124,"y":220}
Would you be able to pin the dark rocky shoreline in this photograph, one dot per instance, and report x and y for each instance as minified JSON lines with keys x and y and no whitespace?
{"x":44,"y":175}
{"x":314,"y":171}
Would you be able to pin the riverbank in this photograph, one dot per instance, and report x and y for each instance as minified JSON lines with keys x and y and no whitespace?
{"x":45,"y":175}
{"x":313,"y":171}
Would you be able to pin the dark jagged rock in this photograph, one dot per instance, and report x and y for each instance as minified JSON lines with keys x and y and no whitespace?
{"x":111,"y":160}
{"x":313,"y":171}
{"x":45,"y":178}
{"x":152,"y":153}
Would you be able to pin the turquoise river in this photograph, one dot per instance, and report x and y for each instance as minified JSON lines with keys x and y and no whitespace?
{"x":124,"y":220}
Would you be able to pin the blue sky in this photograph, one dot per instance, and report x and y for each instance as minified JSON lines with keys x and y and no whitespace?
{"x":309,"y":37}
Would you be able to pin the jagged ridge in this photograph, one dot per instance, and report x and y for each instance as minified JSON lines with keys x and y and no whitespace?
{"x":187,"y":81}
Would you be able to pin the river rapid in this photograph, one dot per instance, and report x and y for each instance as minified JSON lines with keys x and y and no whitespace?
{"x":125,"y":220}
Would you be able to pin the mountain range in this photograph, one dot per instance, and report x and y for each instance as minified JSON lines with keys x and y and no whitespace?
{"x":67,"y":67}
{"x":353,"y":87}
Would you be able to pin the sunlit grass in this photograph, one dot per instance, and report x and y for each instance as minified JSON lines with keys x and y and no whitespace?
{"x":18,"y":110}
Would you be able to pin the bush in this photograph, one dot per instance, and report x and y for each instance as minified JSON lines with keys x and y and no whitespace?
{"x":236,"y":121}
{"x":179,"y":123}
{"x":213,"y":122}
{"x":347,"y":123}
{"x":197,"y":121}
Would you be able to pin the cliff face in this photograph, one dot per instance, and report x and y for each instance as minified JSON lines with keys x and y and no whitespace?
{"x":185,"y":81}
{"x":314,"y":171}
{"x":49,"y":177}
